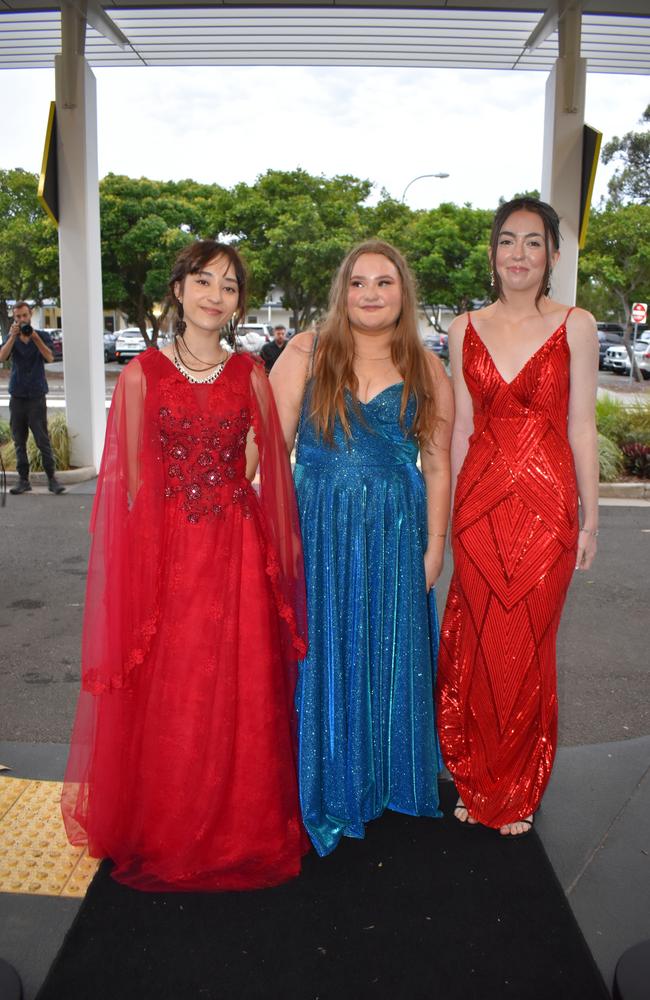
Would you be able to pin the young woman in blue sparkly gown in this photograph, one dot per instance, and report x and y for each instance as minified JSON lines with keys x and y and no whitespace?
{"x":364,"y":398}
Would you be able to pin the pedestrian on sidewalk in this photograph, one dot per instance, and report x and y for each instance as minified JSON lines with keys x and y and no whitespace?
{"x":272,"y":351}
{"x":29,"y":349}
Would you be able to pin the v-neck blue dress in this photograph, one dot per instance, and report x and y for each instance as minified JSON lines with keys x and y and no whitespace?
{"x":365,"y":699}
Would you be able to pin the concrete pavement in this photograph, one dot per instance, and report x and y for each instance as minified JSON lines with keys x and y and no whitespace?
{"x":594,"y":819}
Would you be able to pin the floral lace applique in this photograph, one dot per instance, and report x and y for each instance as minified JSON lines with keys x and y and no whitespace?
{"x":206,"y":461}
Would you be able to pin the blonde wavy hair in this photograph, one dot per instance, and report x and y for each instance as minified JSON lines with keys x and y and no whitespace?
{"x":333,"y":370}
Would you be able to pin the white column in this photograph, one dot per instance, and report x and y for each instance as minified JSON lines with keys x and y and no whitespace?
{"x":80,"y":257}
{"x":562,"y":160}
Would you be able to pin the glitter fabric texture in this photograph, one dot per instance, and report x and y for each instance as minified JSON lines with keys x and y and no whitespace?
{"x":367,"y":737}
{"x":514,"y":537}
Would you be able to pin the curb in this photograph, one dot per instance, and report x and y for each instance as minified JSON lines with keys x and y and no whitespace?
{"x":625,"y":491}
{"x":65,"y":476}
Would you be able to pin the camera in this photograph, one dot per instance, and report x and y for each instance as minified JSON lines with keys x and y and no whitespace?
{"x":26,"y":329}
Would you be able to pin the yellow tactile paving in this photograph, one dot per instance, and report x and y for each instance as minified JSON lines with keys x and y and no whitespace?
{"x":35,"y":856}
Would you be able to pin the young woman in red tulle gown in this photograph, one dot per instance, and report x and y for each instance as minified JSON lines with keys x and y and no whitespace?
{"x":524,"y":448}
{"x":181,"y":767}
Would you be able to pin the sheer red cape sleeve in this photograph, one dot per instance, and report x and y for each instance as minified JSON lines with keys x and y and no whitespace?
{"x":121,"y":608}
{"x":285,"y":564}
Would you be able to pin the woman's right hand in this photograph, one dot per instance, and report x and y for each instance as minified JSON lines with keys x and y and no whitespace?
{"x":434,"y":559}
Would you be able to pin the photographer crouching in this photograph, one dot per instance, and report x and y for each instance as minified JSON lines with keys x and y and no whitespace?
{"x":29,"y":350}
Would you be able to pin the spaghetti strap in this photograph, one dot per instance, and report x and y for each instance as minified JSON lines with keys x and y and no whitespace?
{"x":312,"y":356}
{"x":306,"y":389}
{"x":569,"y":311}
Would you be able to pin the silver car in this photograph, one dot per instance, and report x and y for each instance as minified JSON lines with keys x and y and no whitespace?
{"x":129,"y":343}
{"x":617,"y":360}
{"x":643,"y":358}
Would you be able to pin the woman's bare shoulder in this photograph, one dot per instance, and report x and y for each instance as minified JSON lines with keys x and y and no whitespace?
{"x":302,"y":343}
{"x":459,"y":324}
{"x":580,"y":318}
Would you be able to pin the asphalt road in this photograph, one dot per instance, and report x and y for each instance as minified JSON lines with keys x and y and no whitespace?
{"x":603,"y":673}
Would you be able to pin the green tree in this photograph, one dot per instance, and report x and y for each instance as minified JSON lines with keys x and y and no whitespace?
{"x":617,"y":258}
{"x":29,"y":253}
{"x":446,"y":248}
{"x":630,"y":183}
{"x":293,"y":229}
{"x":144,"y":225}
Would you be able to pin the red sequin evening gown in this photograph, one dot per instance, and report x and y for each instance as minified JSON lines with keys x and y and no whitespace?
{"x":514,"y":539}
{"x":182,"y":765}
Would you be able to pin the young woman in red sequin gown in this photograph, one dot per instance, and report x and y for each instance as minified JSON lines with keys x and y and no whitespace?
{"x":182,"y":767}
{"x":524,"y":449}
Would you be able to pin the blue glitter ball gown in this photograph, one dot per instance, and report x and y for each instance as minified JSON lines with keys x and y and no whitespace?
{"x":367,"y":738}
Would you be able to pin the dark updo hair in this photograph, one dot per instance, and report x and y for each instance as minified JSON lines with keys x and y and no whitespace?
{"x":192,"y":259}
{"x":551,"y":221}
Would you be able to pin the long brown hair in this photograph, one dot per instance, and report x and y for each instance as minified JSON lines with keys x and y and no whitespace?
{"x":192,"y":259}
{"x":333,"y":362}
{"x":551,"y":223}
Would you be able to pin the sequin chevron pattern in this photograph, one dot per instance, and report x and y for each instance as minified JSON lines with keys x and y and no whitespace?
{"x":514,"y":538}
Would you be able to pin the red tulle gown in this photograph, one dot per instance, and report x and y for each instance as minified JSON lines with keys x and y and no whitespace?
{"x":181,"y":767}
{"x":514,"y":537}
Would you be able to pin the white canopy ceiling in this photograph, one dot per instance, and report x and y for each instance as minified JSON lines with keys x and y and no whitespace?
{"x":487,"y":35}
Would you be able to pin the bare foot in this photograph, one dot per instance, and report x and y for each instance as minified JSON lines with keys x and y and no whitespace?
{"x":462,"y":815}
{"x":517,"y":829}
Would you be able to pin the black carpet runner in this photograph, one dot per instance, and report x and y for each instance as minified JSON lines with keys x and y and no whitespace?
{"x":419,"y":909}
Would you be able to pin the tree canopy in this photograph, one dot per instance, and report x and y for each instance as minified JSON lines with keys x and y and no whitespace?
{"x":29,"y":252}
{"x":446,"y":248}
{"x":617,"y":253}
{"x":631,"y":182}
{"x":616,"y":259}
{"x":144,"y":224}
{"x":293,"y":230}
{"x":614,"y":267}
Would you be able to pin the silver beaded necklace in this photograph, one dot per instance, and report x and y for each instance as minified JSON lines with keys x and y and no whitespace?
{"x":199,"y":381}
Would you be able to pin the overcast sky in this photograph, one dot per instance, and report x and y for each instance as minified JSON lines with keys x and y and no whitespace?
{"x":224,"y":125}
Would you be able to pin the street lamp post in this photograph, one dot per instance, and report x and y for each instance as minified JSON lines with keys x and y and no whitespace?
{"x":441,"y":176}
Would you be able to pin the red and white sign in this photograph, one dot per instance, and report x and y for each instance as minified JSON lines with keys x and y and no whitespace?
{"x":639,"y":312}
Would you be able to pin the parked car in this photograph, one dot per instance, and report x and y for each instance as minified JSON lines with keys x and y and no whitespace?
{"x":57,"y":342}
{"x":608,"y":334}
{"x":617,"y":360}
{"x":109,"y":346}
{"x":263,"y":329}
{"x":251,"y":337}
{"x":617,"y":328}
{"x":129,"y":343}
{"x":643,"y":359}
{"x":436,"y":342}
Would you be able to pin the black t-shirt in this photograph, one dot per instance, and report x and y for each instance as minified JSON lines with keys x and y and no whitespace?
{"x":270,"y":354}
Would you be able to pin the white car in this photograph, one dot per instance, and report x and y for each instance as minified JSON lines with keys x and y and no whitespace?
{"x":251,"y":337}
{"x":643,"y":359}
{"x":617,"y":360}
{"x":129,"y":343}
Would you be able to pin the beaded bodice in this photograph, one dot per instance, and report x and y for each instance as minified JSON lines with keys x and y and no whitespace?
{"x":203,"y":430}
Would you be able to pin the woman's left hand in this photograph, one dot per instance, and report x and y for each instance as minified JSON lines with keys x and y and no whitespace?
{"x":433,"y":563}
{"x":587,"y":545}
